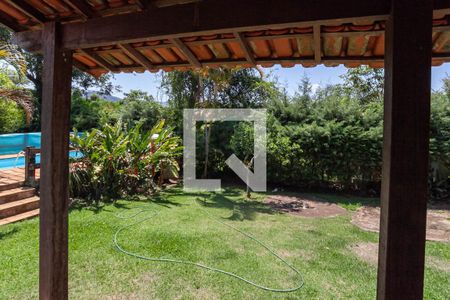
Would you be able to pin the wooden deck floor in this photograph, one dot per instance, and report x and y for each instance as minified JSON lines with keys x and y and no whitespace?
{"x":14,"y":175}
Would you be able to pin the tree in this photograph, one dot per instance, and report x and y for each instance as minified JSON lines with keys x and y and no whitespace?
{"x":80,"y":81}
{"x":86,"y":82}
{"x":10,"y":53}
{"x":365,"y":83}
{"x":139,"y":107}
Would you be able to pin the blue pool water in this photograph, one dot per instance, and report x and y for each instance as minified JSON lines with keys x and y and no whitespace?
{"x":6,"y":163}
{"x":15,"y":143}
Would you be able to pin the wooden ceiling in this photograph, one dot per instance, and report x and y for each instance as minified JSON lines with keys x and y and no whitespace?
{"x":140,"y":35}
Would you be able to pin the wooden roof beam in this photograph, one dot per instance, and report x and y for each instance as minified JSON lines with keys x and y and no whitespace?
{"x":317,"y":43}
{"x":245,"y":48}
{"x":187,"y":52}
{"x":99,"y":60}
{"x":28,"y":9}
{"x":213,"y":17}
{"x":83,"y":8}
{"x":137,"y":56}
{"x":164,"y":3}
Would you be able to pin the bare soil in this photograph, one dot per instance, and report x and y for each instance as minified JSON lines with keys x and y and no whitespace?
{"x":368,"y":252}
{"x":438,"y":222}
{"x":304,"y":207}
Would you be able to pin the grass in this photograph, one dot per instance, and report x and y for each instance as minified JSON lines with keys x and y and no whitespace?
{"x":317,"y":247}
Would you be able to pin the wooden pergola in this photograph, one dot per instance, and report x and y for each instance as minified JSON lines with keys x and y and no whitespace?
{"x":406,"y":37}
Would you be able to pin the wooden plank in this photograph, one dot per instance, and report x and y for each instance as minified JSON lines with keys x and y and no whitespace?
{"x":53,"y":246}
{"x":317,"y":43}
{"x":28,"y":9}
{"x":99,"y":60}
{"x":83,"y":8}
{"x":137,"y":56}
{"x":164,"y":3}
{"x":213,"y":17}
{"x":143,"y":4}
{"x":245,"y":48}
{"x":405,"y":150}
{"x":11,"y":23}
{"x":187,"y":52}
{"x":80,"y":66}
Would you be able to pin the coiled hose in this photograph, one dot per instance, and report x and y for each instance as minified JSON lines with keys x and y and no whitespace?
{"x":176,"y":261}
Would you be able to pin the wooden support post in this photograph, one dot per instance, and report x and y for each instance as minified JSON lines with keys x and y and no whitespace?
{"x":405,"y":150}
{"x":53,"y":247}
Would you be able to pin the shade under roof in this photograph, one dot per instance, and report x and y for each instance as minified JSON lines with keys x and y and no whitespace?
{"x":349,"y":43}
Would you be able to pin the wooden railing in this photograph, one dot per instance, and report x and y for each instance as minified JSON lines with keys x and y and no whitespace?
{"x":31,"y":165}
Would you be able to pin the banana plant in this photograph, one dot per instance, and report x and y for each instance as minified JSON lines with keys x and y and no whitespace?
{"x":116,"y":162}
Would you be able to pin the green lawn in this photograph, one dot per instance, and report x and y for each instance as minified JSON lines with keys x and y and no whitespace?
{"x":182,"y":230}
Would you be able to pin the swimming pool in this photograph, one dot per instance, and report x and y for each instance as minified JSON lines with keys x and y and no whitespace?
{"x":15,"y":162}
{"x":14,"y":143}
{"x":17,"y":142}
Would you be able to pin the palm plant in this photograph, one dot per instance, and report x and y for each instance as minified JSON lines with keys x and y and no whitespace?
{"x":12,"y":55}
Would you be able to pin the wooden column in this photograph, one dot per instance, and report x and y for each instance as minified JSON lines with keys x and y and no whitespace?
{"x":405,"y":150}
{"x":53,"y":247}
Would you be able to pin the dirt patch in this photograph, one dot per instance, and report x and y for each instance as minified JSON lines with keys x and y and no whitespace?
{"x":438,"y":264}
{"x":368,"y":252}
{"x":143,"y":287}
{"x":304,"y":207}
{"x":438,"y":222}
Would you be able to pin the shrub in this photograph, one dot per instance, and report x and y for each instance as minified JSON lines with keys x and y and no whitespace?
{"x":117,"y":162}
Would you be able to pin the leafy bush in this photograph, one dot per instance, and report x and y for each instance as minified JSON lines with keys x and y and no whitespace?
{"x":117,"y":162}
{"x":12,"y":117}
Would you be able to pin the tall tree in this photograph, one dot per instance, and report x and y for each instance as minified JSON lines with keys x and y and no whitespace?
{"x":365,"y":83}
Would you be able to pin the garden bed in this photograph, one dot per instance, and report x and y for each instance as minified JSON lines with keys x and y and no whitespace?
{"x":304,"y":207}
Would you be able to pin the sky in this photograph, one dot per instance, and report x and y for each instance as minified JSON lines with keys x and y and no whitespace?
{"x":287,"y":77}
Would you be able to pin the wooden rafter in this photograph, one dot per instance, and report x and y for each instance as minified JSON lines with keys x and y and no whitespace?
{"x":143,"y":4}
{"x":28,"y":9}
{"x":83,"y":8}
{"x":137,"y":56}
{"x":10,"y":22}
{"x":80,"y":66}
{"x":99,"y":60}
{"x":164,"y":3}
{"x":317,"y":43}
{"x":125,"y":9}
{"x":187,"y":52}
{"x":245,"y":48}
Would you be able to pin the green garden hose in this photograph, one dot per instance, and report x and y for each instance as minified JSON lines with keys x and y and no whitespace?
{"x":154,"y":214}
